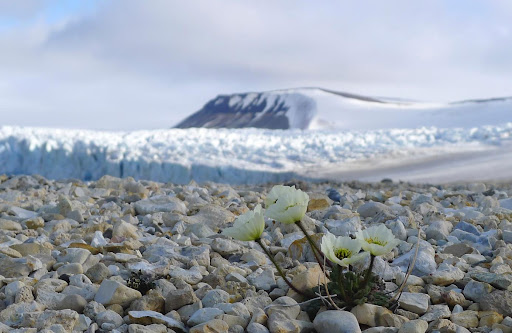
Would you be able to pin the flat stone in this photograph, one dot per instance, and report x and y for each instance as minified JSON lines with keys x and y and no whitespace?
{"x":31,"y":249}
{"x":214,"y":325}
{"x":262,"y":279}
{"x":72,"y":302}
{"x":414,"y":326}
{"x":336,"y":321}
{"x":318,"y":201}
{"x":499,"y":301}
{"x":214,"y":297}
{"x":499,"y":281}
{"x":257,"y":328}
{"x":306,"y":280}
{"x":125,"y":229}
{"x":153,"y":328}
{"x":191,"y":276}
{"x":113,"y":292}
{"x":177,"y":298}
{"x":445,"y":275}
{"x":10,"y":252}
{"x":371,"y":208}
{"x":425,"y":261}
{"x":437,"y":311}
{"x":10,"y":225}
{"x":414,"y":302}
{"x":467,"y":319}
{"x":213,"y":216}
{"x":19,"y":267}
{"x":152,"y":317}
{"x":110,"y":317}
{"x":204,"y":315}
{"x":458,"y":250}
{"x":475,"y":290}
{"x":370,"y":314}
{"x":160,"y":203}
{"x":225,"y":246}
{"x":438,"y":230}
{"x":285,"y":305}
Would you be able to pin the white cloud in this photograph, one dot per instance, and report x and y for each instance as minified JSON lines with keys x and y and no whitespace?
{"x":164,"y":59}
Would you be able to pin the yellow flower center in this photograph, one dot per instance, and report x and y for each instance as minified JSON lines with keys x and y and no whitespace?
{"x":342,"y":253}
{"x":372,"y":240}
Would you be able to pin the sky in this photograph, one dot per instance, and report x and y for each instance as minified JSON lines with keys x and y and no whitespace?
{"x":129,"y":65}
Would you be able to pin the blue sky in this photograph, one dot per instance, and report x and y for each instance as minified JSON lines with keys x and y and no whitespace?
{"x":127,"y":64}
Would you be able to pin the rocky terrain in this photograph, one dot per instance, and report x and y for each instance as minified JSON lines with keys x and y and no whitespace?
{"x":119,"y":255}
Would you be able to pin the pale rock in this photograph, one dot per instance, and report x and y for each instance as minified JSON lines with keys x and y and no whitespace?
{"x":438,"y":311}
{"x":31,"y":249}
{"x":214,"y":325}
{"x":381,"y":329}
{"x":191,"y":276}
{"x":370,"y":314}
{"x":285,"y":305}
{"x":225,"y":246}
{"x":187,"y":311}
{"x":336,"y":321}
{"x":83,"y":323}
{"x":19,"y":267}
{"x":10,"y":225}
{"x":124,"y":229}
{"x":306,"y":280}
{"x":109,"y":317}
{"x":72,"y":302}
{"x":499,"y":301}
{"x":438,"y":230}
{"x":262,"y":279}
{"x":204,"y":315}
{"x":176,"y":299}
{"x":465,"y":319}
{"x":256,"y":303}
{"x":74,"y":255}
{"x":475,"y":290}
{"x":371,"y":209}
{"x":236,"y":277}
{"x":13,"y":314}
{"x":160,"y":203}
{"x":414,"y":326}
{"x":70,"y":269}
{"x":152,"y":317}
{"x":425,"y":262}
{"x":33,"y":223}
{"x":66,"y":318}
{"x":98,"y":240}
{"x":214,"y":297}
{"x":153,"y":328}
{"x":414,"y":302}
{"x":445,"y":275}
{"x":213,"y":216}
{"x":113,"y":292}
{"x":257,"y":328}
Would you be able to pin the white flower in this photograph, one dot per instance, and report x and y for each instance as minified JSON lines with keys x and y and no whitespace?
{"x":248,"y":226}
{"x":286,"y":204}
{"x":342,"y":250}
{"x":377,"y":240}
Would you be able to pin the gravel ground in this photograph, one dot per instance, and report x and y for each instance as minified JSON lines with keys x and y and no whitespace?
{"x":119,"y":255}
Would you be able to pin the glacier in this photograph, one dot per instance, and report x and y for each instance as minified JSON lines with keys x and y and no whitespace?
{"x":235,"y":156}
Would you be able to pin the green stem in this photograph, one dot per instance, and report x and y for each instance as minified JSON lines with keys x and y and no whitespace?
{"x":369,"y":271}
{"x":279,"y":270}
{"x":314,"y":248}
{"x":342,"y":285}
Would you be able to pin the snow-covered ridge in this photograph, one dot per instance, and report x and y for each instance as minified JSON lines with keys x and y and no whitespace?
{"x":315,"y":108}
{"x":222,"y":155}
